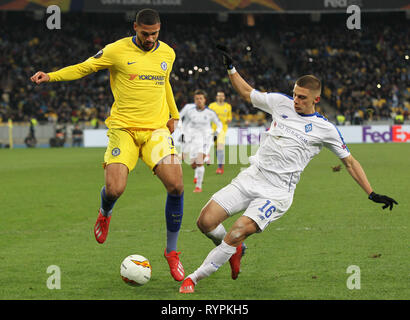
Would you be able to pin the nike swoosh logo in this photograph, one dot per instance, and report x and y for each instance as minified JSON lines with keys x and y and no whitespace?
{"x":132,"y":62}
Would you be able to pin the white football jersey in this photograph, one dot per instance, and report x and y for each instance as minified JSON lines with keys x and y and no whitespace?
{"x":292,"y":140}
{"x":197,"y":122}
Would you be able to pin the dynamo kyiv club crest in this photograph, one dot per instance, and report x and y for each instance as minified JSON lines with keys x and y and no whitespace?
{"x":308,"y":127}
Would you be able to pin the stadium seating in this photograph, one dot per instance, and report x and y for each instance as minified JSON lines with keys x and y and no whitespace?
{"x":365,"y":73}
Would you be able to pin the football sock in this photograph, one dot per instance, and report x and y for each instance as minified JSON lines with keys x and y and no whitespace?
{"x":215,"y":259}
{"x":174,"y":209}
{"x":200,"y":171}
{"x":106,"y":203}
{"x":220,"y":156}
{"x":217,"y":235}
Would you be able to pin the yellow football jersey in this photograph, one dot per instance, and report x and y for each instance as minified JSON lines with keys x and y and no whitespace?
{"x":139,"y":82}
{"x":223,"y":112}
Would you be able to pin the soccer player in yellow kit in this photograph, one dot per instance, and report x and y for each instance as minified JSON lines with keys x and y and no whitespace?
{"x":224,"y":112}
{"x":139,"y":125}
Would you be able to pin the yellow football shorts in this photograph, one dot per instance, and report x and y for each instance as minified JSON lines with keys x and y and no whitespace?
{"x":127,"y":145}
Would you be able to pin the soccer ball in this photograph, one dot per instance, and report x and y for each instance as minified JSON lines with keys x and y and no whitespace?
{"x":135,"y":270}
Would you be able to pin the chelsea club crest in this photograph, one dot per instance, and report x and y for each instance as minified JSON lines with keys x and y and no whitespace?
{"x":116,"y":152}
{"x":164,"y":66}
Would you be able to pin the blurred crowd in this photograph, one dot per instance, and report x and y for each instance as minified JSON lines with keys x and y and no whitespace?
{"x":365,"y":73}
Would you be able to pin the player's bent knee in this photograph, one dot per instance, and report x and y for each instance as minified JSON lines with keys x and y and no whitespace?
{"x":179,"y":188}
{"x":175,"y":187}
{"x":204,"y":221}
{"x":116,"y":175}
{"x":204,"y":224}
{"x":114,"y":191}
{"x":209,"y":218}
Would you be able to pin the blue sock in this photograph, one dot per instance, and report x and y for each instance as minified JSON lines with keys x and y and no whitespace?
{"x":106,"y":204}
{"x":220,"y":156}
{"x":174,"y":210}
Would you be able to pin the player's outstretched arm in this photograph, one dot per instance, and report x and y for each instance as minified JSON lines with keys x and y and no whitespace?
{"x":239,"y":84}
{"x":356,"y":171}
{"x":40,"y":77}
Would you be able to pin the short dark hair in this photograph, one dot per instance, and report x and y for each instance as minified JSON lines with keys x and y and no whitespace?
{"x":148,"y":17}
{"x":199,"y":91}
{"x":309,"y":82}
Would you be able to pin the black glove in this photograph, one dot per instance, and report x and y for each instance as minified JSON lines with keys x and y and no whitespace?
{"x":388,"y":202}
{"x":227,"y":59}
{"x":181,"y":138}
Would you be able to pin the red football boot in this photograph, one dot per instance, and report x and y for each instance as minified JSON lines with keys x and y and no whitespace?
{"x":175,"y":266}
{"x":235,"y":261}
{"x":187,"y":286}
{"x":101,"y":227}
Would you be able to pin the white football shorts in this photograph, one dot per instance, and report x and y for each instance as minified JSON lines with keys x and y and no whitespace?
{"x":198,"y":144}
{"x":252,"y":192}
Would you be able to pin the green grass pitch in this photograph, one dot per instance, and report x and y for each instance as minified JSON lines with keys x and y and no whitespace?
{"x":50,"y":197}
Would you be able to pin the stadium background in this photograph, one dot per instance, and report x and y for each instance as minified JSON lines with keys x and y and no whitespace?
{"x":365,"y":73}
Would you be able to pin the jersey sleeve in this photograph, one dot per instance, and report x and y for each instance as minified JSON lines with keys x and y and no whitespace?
{"x":183,"y":111}
{"x":229,"y":118}
{"x":266,"y":101}
{"x":102,"y":60}
{"x":173,"y":110}
{"x":334,"y":142}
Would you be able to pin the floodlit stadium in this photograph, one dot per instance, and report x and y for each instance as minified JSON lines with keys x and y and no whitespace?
{"x":333,"y":243}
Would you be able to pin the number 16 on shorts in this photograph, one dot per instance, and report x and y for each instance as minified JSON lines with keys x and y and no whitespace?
{"x":264,"y":211}
{"x":267,"y":209}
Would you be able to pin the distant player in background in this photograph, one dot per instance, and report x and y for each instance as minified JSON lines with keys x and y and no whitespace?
{"x":264,"y":191}
{"x":197,"y":120}
{"x":224,"y":113}
{"x":139,"y":124}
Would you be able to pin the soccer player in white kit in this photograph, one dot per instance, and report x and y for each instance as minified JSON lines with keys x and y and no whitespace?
{"x":196,"y":123}
{"x":265,"y":189}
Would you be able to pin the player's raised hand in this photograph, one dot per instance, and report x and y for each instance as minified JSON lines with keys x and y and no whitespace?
{"x":40,"y":77}
{"x":378,"y":198}
{"x":226,"y":55}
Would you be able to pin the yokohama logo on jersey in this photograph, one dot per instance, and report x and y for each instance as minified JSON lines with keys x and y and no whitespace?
{"x":147,"y":77}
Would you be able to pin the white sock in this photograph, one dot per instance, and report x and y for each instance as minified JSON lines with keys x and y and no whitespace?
{"x":200,"y":171}
{"x":217,"y":235}
{"x":215,"y":259}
